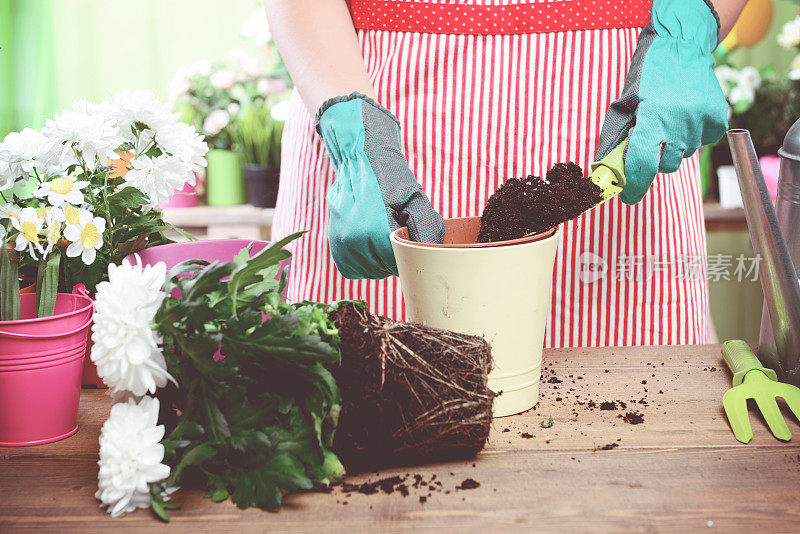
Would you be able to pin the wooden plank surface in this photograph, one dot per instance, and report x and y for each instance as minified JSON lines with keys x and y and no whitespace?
{"x":678,"y":470}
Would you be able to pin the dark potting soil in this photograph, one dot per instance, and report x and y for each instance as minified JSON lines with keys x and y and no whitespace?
{"x":633,"y":418}
{"x":608,"y":447}
{"x":529,"y":206}
{"x":468,"y":483}
{"x":410,"y":394}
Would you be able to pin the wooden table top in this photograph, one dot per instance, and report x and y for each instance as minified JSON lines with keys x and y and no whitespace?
{"x":678,"y":470}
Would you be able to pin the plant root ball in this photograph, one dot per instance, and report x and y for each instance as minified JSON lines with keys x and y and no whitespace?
{"x":410,"y":394}
{"x":531,"y":206}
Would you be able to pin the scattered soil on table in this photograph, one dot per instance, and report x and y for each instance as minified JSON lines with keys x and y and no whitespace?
{"x":406,"y":485}
{"x":608,"y":405}
{"x":632,"y":418}
{"x":468,"y":484}
{"x":410,"y":394}
{"x":607,"y":447}
{"x":530,"y":206}
{"x":526,"y":435}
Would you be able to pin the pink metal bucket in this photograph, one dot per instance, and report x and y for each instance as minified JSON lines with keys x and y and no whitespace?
{"x":39,"y":402}
{"x":71,"y":311}
{"x":42,"y":357}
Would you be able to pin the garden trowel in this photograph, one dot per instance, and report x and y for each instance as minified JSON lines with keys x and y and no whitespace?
{"x":609,"y":173}
{"x":753,"y":381}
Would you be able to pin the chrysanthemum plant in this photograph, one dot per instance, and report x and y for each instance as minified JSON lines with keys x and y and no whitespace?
{"x":83,"y":193}
{"x":252,"y":425}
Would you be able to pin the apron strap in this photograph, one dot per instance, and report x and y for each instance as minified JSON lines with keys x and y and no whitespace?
{"x":475,"y":19}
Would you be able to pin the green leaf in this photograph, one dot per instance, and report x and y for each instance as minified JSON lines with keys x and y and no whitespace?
{"x":253,"y":270}
{"x":9,"y":286}
{"x":47,"y":284}
{"x":196,"y":456}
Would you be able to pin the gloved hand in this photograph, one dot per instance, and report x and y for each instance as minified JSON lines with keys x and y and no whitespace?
{"x":671,"y":103}
{"x":375,"y":191}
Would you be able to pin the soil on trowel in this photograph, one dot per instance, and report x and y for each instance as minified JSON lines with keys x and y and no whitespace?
{"x":530,"y":206}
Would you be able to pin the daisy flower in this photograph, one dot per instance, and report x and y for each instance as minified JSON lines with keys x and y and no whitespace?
{"x":86,"y":236}
{"x":126,"y":348}
{"x":131,"y":456}
{"x":29,"y":225}
{"x":62,"y":190}
{"x":53,"y":219}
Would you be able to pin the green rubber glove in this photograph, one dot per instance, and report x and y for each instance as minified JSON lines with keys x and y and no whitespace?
{"x":375,"y":191}
{"x":671,"y":103}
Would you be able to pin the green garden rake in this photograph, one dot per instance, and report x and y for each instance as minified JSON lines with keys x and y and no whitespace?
{"x":753,"y":381}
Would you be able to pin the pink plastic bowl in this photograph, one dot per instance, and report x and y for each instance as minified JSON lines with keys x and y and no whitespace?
{"x":27,"y":359}
{"x":40,"y":404}
{"x":71,"y":311}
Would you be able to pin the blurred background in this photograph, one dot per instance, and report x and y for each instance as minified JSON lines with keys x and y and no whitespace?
{"x":215,"y":61}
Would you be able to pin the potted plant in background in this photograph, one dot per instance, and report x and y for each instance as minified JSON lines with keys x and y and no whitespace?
{"x":210,"y":96}
{"x":98,"y":173}
{"x":257,"y":138}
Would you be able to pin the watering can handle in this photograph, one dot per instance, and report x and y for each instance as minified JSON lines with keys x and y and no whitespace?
{"x":741,"y":360}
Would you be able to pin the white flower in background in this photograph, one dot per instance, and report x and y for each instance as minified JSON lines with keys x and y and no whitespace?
{"x":141,"y":110}
{"x":726,"y":74}
{"x":53,"y":219}
{"x":790,"y":34}
{"x":749,"y":78}
{"x":182,"y":141}
{"x":741,"y":94}
{"x":202,"y":67}
{"x":29,"y":225}
{"x":794,"y":72}
{"x":216,"y":121}
{"x":223,"y":79}
{"x":62,"y":190}
{"x":131,"y":456}
{"x":126,"y":348}
{"x":158,"y":177}
{"x":233,"y":108}
{"x":180,"y":84}
{"x":21,"y":153}
{"x":91,"y":134}
{"x":85,"y":237}
{"x":256,"y":28}
{"x":280,"y":111}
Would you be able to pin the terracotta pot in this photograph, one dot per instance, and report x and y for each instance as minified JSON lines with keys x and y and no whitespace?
{"x":499,"y":291}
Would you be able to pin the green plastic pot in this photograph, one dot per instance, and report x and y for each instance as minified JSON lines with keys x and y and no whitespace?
{"x":225,"y":185}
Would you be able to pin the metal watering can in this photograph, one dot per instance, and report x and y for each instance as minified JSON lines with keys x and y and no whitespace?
{"x":775,"y":234}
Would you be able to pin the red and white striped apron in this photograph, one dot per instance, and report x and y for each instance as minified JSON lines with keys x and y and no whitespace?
{"x":492,"y":89}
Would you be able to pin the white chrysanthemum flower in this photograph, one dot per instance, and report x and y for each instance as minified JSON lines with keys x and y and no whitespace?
{"x":131,"y":456}
{"x":158,"y":177}
{"x":86,"y":236}
{"x":216,"y":121}
{"x":182,"y":141}
{"x":21,"y":153}
{"x":92,"y":135}
{"x":141,"y":110}
{"x":126,"y":348}
{"x":29,"y":225}
{"x":790,"y":34}
{"x":61,"y":190}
